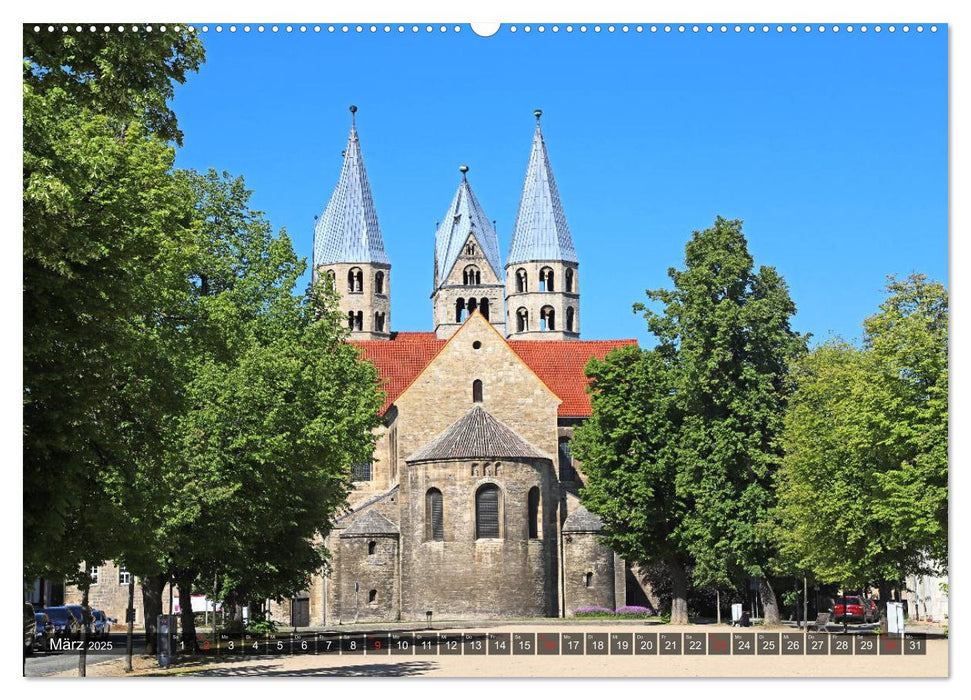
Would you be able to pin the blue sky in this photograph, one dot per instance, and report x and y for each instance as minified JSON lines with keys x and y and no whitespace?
{"x":831,"y":147}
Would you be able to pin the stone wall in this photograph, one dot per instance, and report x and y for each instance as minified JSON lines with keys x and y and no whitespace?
{"x":467,"y":578}
{"x":368,"y":300}
{"x":534,"y":300}
{"x":583,"y":555}
{"x":369,"y":565}
{"x":110,"y":595}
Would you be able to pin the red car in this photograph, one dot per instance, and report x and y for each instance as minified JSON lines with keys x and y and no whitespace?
{"x":852,"y":608}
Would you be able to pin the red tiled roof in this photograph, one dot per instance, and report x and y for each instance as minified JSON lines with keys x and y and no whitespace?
{"x":559,"y":363}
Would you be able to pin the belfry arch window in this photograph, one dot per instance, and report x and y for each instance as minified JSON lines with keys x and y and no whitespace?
{"x":477,"y":391}
{"x":459,"y":310}
{"x":488,"y":503}
{"x":570,"y":313}
{"x":434,"y":517}
{"x":471,"y":305}
{"x":379,"y":282}
{"x":569,"y":280}
{"x":471,"y":275}
{"x":379,"y":321}
{"x":522,"y":320}
{"x":331,"y":279}
{"x":484,"y":307}
{"x":358,"y":320}
{"x":533,"y":513}
{"x":547,"y":319}
{"x":521,"y":285}
{"x":546,"y":279}
{"x":470,"y":250}
{"x":355,"y":280}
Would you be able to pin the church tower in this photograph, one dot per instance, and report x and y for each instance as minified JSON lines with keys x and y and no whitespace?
{"x":467,"y":265}
{"x":542,"y":283}
{"x":349,"y":250}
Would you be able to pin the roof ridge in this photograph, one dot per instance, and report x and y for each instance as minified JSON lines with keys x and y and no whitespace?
{"x":477,"y":433}
{"x":370,"y":501}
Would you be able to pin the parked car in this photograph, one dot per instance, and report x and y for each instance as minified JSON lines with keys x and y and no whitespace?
{"x":83,"y":615}
{"x":852,"y":609}
{"x":30,"y":629}
{"x":874,"y":610}
{"x":66,"y":625}
{"x":102,"y":623}
{"x":45,"y":631}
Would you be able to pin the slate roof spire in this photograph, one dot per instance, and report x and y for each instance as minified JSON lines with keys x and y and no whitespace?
{"x":348,"y":231}
{"x":540,"y":231}
{"x":464,"y":216}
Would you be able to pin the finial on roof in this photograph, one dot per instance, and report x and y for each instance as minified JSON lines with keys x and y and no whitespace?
{"x":538,"y":113}
{"x":353,"y":112}
{"x":463,"y":169}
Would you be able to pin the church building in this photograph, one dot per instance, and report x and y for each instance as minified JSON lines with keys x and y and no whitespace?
{"x":469,"y":508}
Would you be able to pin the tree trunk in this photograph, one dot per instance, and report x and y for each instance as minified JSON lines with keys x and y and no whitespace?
{"x":884,"y":591}
{"x":770,"y":606}
{"x":83,"y":656}
{"x":188,"y":619}
{"x":152,"y":605}
{"x":679,"y":592}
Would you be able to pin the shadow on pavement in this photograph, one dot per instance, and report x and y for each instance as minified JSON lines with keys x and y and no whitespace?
{"x":386,"y":670}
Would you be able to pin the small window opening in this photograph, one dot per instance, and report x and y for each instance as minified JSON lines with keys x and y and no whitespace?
{"x":477,"y":391}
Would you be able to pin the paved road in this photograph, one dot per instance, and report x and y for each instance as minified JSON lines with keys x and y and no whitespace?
{"x":45,"y":663}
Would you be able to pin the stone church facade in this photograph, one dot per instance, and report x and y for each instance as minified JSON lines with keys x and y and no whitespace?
{"x":469,"y":508}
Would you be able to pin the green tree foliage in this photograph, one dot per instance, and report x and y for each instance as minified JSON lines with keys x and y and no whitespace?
{"x":100,"y":211}
{"x":863,"y":488}
{"x":277,"y":406}
{"x":694,"y":422}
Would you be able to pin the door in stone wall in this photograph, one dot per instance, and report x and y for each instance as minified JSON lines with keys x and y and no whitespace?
{"x":301,"y":612}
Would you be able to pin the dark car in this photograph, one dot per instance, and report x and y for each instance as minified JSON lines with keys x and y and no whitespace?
{"x":66,"y":625}
{"x":30,"y":629}
{"x":102,"y":623}
{"x":83,"y":615}
{"x":45,"y":631}
{"x":852,"y":609}
{"x":874,"y":610}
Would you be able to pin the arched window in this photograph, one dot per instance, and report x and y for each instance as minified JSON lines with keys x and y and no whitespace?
{"x":350,"y":320}
{"x":569,"y":318}
{"x":371,"y":547}
{"x":567,"y":473}
{"x":372,"y":596}
{"x":546,"y":280}
{"x":546,"y":319}
{"x":569,"y":279}
{"x":379,"y":282}
{"x":522,"y":320}
{"x":533,"y":514}
{"x":484,"y":307}
{"x":355,"y":280}
{"x":331,"y":279}
{"x":521,"y":285}
{"x":471,"y":275}
{"x":477,"y":391}
{"x":379,"y":321}
{"x":587,"y":579}
{"x":359,"y":321}
{"x":487,"y":504}
{"x":459,"y":310}
{"x":470,"y":248}
{"x":471,"y":305}
{"x":434,"y":520}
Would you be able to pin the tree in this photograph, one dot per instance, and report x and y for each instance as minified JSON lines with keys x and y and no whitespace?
{"x":863,"y":488}
{"x":628,"y":451}
{"x":719,"y":387}
{"x":99,"y":214}
{"x":276,"y":407}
